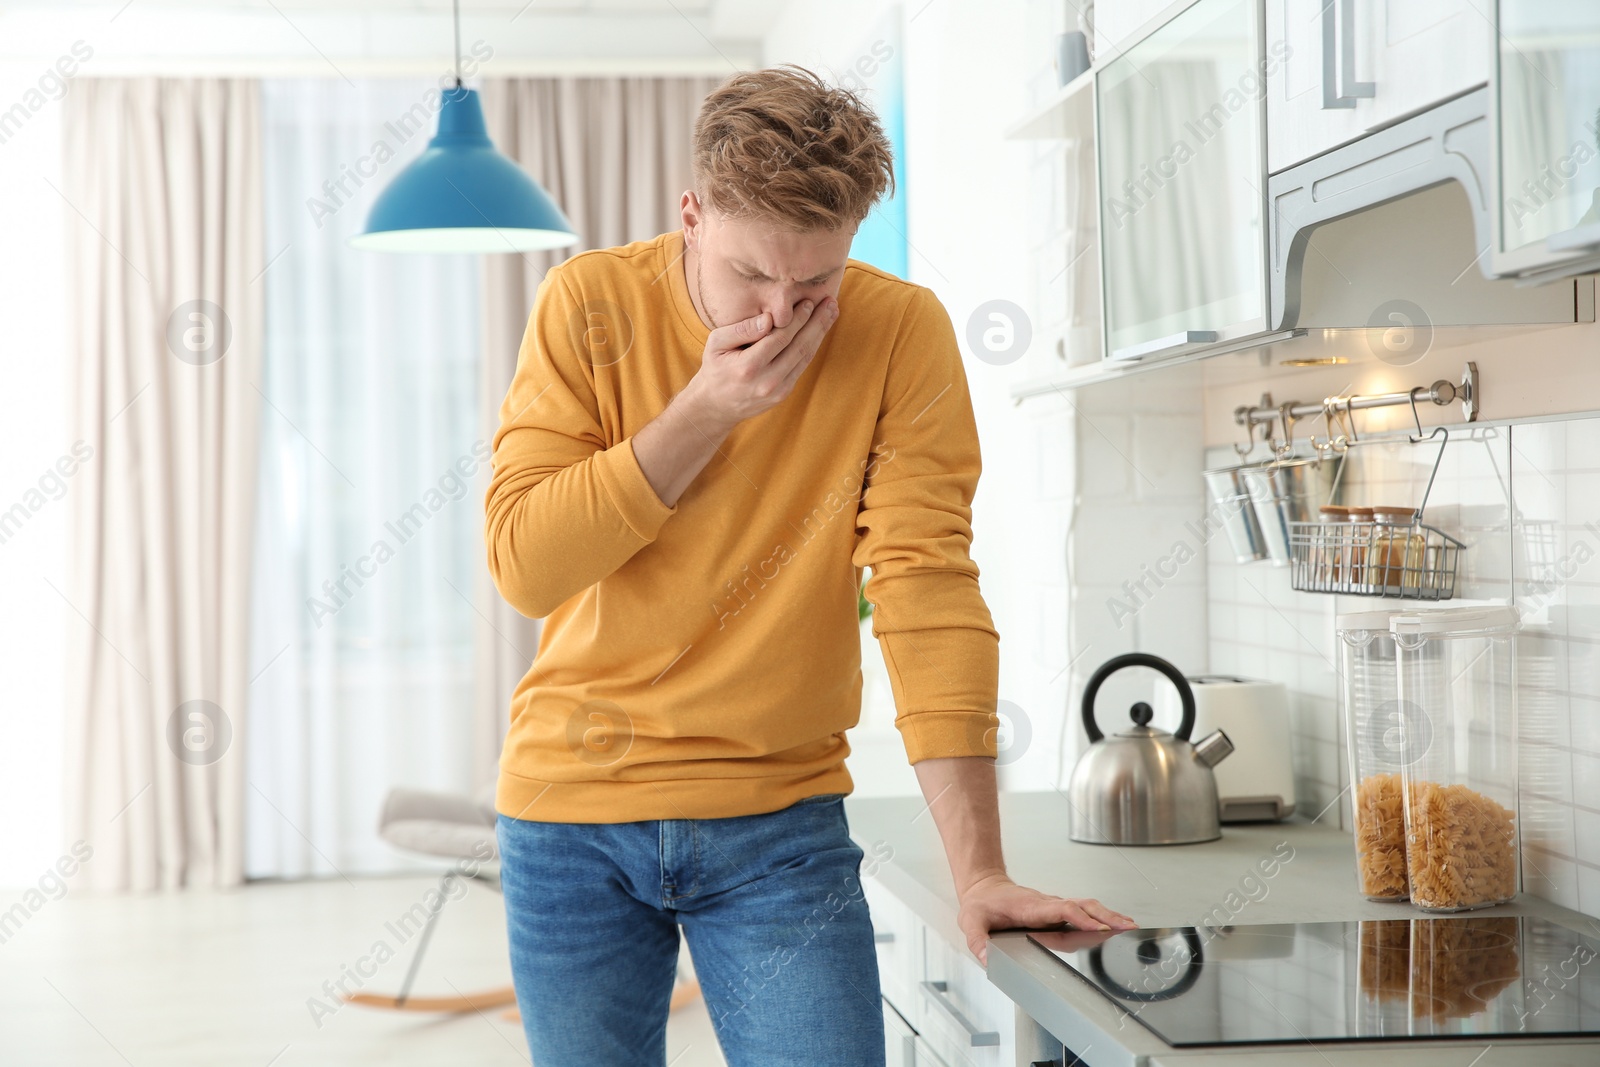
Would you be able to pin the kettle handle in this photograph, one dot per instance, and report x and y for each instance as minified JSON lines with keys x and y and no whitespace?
{"x":1138,"y":659}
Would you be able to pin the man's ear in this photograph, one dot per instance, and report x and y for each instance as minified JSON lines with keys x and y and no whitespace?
{"x":693,"y":216}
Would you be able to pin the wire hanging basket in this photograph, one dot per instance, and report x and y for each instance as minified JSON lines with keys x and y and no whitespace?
{"x":1385,"y":559}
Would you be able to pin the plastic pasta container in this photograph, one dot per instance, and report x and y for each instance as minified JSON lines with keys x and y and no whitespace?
{"x":1459,"y":969}
{"x":1368,"y":692}
{"x":1383,"y":975}
{"x":1458,"y":725}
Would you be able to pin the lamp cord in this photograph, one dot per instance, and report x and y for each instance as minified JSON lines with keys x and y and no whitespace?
{"x":457,"y":6}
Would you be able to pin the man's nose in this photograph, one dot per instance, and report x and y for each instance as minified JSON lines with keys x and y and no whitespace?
{"x":784,"y":309}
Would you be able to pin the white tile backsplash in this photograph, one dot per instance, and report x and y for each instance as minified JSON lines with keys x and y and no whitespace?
{"x":1547,"y":561}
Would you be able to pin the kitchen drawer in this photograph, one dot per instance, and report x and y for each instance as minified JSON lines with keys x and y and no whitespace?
{"x":925,"y":1056}
{"x":899,"y":1039}
{"x":899,"y":942}
{"x":959,"y":1005}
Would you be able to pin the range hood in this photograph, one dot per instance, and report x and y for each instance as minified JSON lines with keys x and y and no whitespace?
{"x":1397,"y":225}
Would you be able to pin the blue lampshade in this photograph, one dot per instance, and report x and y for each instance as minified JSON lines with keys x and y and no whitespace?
{"x":461,"y":195}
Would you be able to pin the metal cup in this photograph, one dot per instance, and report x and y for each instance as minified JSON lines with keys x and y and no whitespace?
{"x":1231,"y":502}
{"x":1286,"y":492}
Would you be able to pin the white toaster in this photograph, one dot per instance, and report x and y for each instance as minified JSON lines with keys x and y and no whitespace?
{"x":1256,"y":783}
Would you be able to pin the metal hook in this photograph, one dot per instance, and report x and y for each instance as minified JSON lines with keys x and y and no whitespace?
{"x":1438,"y":431}
{"x":1286,"y":416}
{"x":1249,"y":431}
{"x":1268,"y":438}
{"x":1341,"y":442}
{"x":1419,"y":437}
{"x":1248,"y":415}
{"x":1327,"y":422}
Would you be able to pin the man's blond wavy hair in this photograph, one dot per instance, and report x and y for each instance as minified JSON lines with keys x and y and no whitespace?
{"x":784,"y":145}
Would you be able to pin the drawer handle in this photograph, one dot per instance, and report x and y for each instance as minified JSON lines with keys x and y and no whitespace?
{"x":1339,"y":85}
{"x":939,"y":993}
{"x":882,"y":937}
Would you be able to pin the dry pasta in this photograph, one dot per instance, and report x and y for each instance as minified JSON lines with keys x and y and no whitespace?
{"x":1459,"y":848}
{"x":1459,"y":965}
{"x":1381,"y":837}
{"x":1384,"y":971}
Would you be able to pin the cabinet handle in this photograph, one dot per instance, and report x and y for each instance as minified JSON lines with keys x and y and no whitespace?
{"x":1340,"y":69}
{"x":882,"y":937}
{"x":939,"y":993}
{"x":1162,"y":344}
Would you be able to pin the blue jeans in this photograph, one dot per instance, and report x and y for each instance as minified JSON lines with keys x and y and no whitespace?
{"x":771,"y":906}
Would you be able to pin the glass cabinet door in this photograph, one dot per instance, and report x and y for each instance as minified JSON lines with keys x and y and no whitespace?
{"x":1547,"y":110}
{"x":1182,"y":182}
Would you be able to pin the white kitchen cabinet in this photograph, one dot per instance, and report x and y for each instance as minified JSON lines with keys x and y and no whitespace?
{"x":1066,"y":261}
{"x":899,"y":1038}
{"x":966,"y":1019}
{"x":925,"y":1056}
{"x":1182,"y":185}
{"x":1545,"y":112}
{"x":1340,"y":69}
{"x":936,"y":997}
{"x":899,"y":945}
{"x":1117,"y":22}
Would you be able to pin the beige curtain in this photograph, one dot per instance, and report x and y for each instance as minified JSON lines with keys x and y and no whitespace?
{"x":164,"y":317}
{"x":614,"y":154}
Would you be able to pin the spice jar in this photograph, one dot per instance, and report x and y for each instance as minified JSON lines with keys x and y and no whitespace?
{"x":1329,"y":552}
{"x":1457,"y":686}
{"x":1360,"y":547}
{"x":1396,"y":560}
{"x":1368,"y":690}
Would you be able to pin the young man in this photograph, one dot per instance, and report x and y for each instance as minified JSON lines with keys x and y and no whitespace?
{"x":709,"y":434}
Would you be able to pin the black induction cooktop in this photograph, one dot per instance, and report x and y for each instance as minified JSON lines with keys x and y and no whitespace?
{"x":1465,"y":976}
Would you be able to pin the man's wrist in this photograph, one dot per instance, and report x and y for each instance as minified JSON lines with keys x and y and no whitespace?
{"x":689,"y":407}
{"x":983,"y":878}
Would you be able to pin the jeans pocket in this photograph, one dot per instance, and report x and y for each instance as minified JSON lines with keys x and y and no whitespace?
{"x":822,"y":798}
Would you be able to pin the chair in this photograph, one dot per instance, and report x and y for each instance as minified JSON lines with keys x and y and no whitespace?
{"x":460,"y":829}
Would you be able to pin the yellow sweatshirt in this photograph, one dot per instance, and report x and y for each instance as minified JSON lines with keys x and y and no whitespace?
{"x":704,"y":660}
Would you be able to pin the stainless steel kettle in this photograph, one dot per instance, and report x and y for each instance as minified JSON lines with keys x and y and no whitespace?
{"x":1145,"y":786}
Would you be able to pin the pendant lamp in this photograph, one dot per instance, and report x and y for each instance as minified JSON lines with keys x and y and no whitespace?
{"x":461,"y":195}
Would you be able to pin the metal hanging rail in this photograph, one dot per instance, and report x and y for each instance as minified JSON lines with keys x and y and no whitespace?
{"x":1375,"y":557}
{"x":1441,"y":392}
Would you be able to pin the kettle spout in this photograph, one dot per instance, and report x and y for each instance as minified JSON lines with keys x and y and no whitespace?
{"x":1213,"y":748}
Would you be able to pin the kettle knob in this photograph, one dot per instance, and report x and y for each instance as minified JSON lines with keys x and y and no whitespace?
{"x":1141,"y":713}
{"x":1137,"y":659}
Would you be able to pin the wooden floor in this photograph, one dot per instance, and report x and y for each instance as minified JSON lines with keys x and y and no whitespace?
{"x":234,"y":978}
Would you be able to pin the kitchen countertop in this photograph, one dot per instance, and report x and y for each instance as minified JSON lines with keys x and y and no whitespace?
{"x":1165,"y":886}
